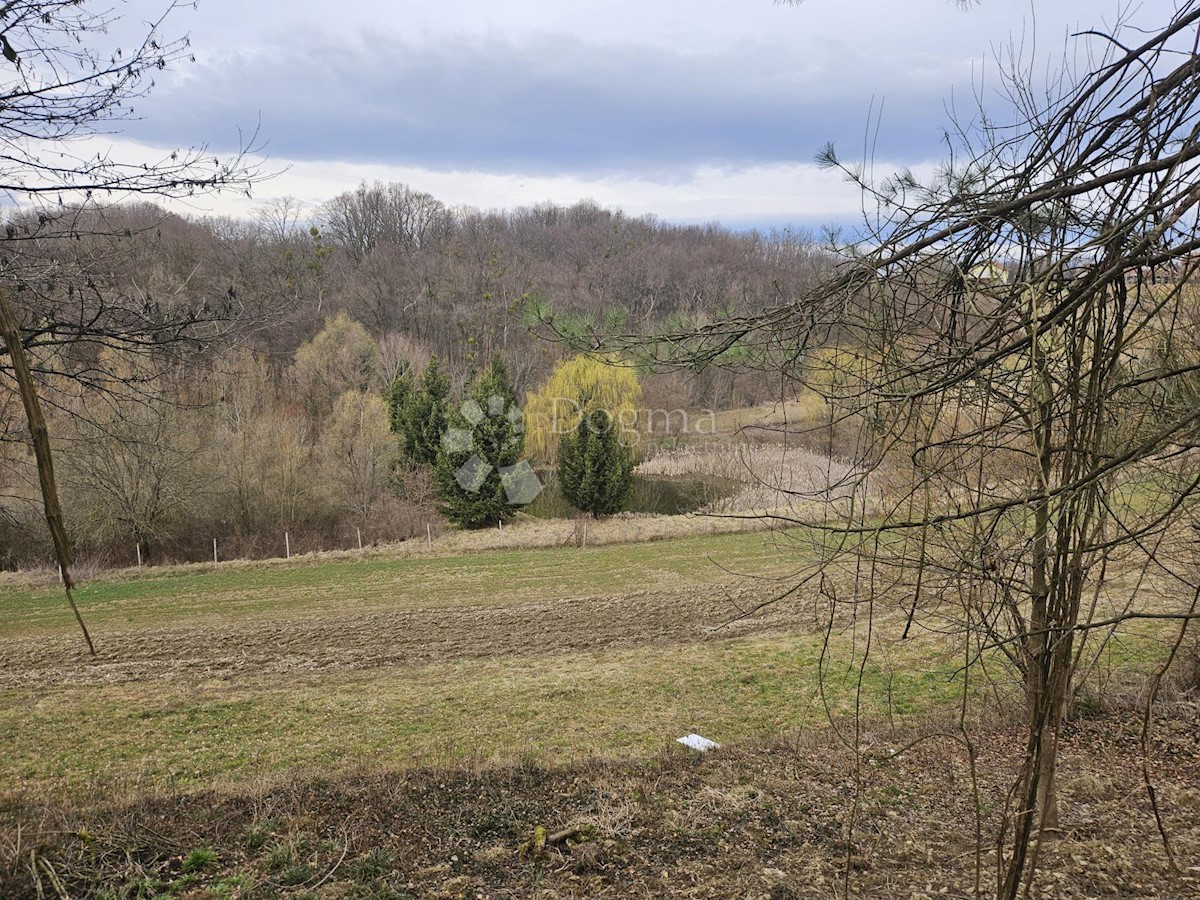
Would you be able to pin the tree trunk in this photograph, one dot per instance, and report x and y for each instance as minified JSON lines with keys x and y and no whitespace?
{"x":40,"y":437}
{"x":1058,"y":694}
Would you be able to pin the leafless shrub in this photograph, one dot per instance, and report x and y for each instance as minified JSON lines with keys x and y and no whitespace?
{"x":1037,"y":431}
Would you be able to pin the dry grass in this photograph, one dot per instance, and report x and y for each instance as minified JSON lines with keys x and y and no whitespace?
{"x":807,"y":410}
{"x":770,"y":820}
{"x":772,"y":476}
{"x":769,"y":452}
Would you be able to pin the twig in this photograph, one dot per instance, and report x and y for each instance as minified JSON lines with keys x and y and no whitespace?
{"x":336,"y":865}
{"x":55,"y":882}
{"x":1147,"y":721}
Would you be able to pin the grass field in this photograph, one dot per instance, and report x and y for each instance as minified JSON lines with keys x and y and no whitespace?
{"x":305,"y":587}
{"x":400,"y":727}
{"x":560,"y":654}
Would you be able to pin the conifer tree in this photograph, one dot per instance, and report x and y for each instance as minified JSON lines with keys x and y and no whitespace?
{"x":501,"y":386}
{"x":479,"y":475}
{"x":595,"y":470}
{"x":422,"y":417}
{"x":397,"y":397}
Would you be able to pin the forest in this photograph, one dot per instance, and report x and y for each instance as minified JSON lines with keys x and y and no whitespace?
{"x":259,"y":408}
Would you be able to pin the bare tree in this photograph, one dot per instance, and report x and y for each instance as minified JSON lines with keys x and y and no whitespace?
{"x":1014,"y":348}
{"x":280,"y":218}
{"x":61,"y":85}
{"x":133,"y":469}
{"x":375,"y":215}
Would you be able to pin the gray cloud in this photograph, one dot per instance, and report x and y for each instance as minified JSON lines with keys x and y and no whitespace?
{"x":552,"y":105}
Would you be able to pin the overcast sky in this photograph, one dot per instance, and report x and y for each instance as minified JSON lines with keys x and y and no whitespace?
{"x":696,"y":111}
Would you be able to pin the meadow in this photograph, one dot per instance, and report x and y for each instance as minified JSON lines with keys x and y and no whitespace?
{"x":390,"y":726}
{"x":225,"y":672}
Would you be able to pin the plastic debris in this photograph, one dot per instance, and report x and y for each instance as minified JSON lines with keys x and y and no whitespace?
{"x":697,"y":742}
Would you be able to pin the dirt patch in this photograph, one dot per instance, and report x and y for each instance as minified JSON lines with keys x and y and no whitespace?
{"x":771,"y":822}
{"x":207,"y":648}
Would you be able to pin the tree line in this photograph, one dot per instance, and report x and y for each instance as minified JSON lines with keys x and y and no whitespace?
{"x":349,"y":436}
{"x":173,"y":337}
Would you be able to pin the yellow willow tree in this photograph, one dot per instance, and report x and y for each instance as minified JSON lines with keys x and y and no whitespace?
{"x":576,"y":387}
{"x":341,"y":357}
{"x":358,"y":451}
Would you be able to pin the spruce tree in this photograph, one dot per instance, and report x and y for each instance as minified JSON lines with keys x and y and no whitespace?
{"x":422,"y":417}
{"x":480,"y":475}
{"x":501,"y":386}
{"x":595,"y":470}
{"x":396,"y":397}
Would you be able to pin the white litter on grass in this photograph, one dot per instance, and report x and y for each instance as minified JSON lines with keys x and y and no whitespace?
{"x":697,"y":742}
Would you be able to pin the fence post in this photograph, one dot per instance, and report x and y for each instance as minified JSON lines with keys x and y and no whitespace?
{"x":215,"y":550}
{"x":139,"y":553}
{"x":287,"y":545}
{"x":429,"y":535}
{"x":358,"y":531}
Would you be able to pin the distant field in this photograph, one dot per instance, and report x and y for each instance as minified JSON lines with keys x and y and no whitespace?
{"x":305,"y":587}
{"x":557,"y":653}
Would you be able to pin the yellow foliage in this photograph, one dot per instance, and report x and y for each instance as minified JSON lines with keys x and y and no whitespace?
{"x":831,"y":368}
{"x":341,"y":357}
{"x":358,"y":449}
{"x":576,"y":387}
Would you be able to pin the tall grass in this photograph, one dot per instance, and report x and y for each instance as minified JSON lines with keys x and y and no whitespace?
{"x":772,"y":475}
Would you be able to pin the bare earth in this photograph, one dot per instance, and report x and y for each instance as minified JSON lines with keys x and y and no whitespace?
{"x":208,"y":648}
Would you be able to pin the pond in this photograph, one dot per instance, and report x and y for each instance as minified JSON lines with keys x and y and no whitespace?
{"x":654,"y":494}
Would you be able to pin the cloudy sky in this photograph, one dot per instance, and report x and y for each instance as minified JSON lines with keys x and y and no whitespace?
{"x":696,"y":111}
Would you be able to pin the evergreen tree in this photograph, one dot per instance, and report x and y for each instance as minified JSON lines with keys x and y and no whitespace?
{"x":422,"y":417}
{"x":502,"y":386}
{"x":479,"y":475}
{"x":397,"y":396}
{"x":595,"y":470}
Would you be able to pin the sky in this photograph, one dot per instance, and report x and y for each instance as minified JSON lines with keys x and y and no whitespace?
{"x":698,"y":111}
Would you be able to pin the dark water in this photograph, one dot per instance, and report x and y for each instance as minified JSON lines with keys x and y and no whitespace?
{"x":666,"y":496}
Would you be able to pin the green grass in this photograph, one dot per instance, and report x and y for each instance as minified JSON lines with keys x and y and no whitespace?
{"x":610,"y":704}
{"x":305,"y":587}
{"x":187,"y":732}
{"x":197,"y":860}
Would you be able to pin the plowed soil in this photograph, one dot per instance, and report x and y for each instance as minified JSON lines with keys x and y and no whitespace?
{"x":212,"y":647}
